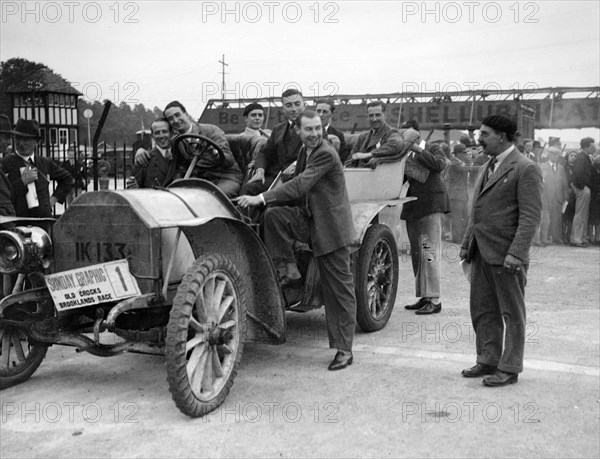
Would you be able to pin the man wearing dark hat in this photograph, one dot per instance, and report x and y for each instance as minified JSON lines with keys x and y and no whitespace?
{"x":6,"y":205}
{"x":30,"y":174}
{"x":507,"y":208}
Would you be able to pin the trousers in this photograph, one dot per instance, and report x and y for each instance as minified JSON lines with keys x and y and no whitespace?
{"x":425,"y":236}
{"x":498,"y":314}
{"x":285,"y":224}
{"x":582,"y":210}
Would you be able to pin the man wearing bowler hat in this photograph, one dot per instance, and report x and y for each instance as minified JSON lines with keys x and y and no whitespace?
{"x":25,"y":167}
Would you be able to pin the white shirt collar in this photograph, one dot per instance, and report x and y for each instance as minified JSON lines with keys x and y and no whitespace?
{"x":502,"y":156}
{"x":163,"y":152}
{"x":26,"y":158}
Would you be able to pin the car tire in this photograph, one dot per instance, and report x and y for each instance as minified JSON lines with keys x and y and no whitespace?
{"x":18,"y":362}
{"x":204,"y":343}
{"x":376,"y":280}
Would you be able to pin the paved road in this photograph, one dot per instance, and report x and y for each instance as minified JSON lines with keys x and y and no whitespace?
{"x":403,"y":397}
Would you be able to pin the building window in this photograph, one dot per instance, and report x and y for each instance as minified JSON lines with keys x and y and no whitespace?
{"x":73,"y":136}
{"x":63,"y":136}
{"x":52,"y":136}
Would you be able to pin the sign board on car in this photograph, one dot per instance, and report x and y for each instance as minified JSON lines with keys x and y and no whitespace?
{"x":94,"y":284}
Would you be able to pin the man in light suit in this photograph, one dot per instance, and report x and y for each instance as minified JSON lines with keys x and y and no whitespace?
{"x":555,"y":195}
{"x":324,"y":218}
{"x":380,"y":141}
{"x":507,"y":207}
{"x":281,"y":150}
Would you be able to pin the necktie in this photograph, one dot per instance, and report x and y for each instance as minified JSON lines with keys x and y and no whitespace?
{"x":491,"y":168}
{"x":168,"y":154}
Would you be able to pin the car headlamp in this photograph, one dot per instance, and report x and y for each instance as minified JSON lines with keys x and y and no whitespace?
{"x":24,"y":249}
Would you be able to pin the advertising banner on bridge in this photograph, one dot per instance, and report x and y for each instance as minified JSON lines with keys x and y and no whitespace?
{"x":565,"y":113}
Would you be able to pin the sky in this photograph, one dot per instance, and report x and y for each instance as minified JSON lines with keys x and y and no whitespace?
{"x":152,"y":52}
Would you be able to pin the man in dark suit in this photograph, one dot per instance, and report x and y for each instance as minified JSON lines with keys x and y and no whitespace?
{"x":30,"y":174}
{"x":380,"y":141}
{"x":325,"y":109}
{"x":161,"y":167}
{"x":323,"y":217}
{"x":6,"y":205}
{"x":424,"y":219}
{"x":227,"y":176}
{"x":507,"y":208}
{"x":581,"y":180}
{"x":281,"y":150}
{"x":78,"y":171}
{"x":555,"y":195}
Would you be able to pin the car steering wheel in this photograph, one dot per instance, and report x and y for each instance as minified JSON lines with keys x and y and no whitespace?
{"x":192,"y":146}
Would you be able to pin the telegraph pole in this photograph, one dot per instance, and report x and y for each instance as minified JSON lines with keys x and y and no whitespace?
{"x":223,"y":65}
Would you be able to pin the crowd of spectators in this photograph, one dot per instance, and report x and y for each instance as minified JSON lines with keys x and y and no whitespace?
{"x":571,"y":194}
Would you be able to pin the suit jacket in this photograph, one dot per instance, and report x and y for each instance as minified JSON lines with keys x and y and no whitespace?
{"x":456,"y":177}
{"x":6,"y":205}
{"x":556,"y":186}
{"x":506,"y":210}
{"x":344,"y":150}
{"x":323,"y":187}
{"x":280,"y":151}
{"x":159,"y":172}
{"x":431,"y":195}
{"x":387,"y":141}
{"x":77,"y":171}
{"x":47,"y":168}
{"x":582,"y":170}
{"x":205,"y":167}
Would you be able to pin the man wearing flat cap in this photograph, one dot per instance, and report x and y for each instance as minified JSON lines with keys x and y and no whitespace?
{"x":507,"y":206}
{"x":25,"y":167}
{"x":6,"y":205}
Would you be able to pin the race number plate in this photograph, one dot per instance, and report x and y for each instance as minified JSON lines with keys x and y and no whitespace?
{"x":94,"y":284}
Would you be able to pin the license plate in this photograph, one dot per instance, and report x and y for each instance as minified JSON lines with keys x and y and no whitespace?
{"x":101,"y":283}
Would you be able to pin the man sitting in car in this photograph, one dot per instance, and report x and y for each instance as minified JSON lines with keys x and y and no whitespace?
{"x":161,"y":168}
{"x":227,"y":176}
{"x":381,"y":141}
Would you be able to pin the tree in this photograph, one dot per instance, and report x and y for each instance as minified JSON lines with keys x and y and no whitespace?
{"x":18,"y":73}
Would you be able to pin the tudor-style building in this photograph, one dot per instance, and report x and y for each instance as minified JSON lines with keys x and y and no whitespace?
{"x":52,"y":101}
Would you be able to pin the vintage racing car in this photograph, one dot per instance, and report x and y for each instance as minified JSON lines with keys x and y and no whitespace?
{"x":177,"y":271}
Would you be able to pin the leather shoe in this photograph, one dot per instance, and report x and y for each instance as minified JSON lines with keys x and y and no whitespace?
{"x":500,"y":378}
{"x":287,"y":282}
{"x":418,"y":305}
{"x":341,"y":360}
{"x":429,"y":308}
{"x":478,"y":370}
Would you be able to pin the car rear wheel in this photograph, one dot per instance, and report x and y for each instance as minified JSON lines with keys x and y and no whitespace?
{"x":205,"y":335}
{"x":377,"y":278}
